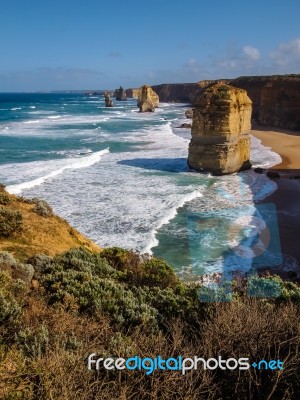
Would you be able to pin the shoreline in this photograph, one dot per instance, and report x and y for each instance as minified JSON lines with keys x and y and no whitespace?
{"x":286,"y":197}
{"x":283,"y":142}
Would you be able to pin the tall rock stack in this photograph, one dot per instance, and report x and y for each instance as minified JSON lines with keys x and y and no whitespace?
{"x":148,"y":100}
{"x":220,"y":132}
{"x":120,"y":94}
{"x":107,"y":99}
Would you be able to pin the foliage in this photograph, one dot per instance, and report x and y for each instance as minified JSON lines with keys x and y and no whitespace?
{"x":42,"y":208}
{"x":10,"y":222}
{"x":4,"y":199}
{"x":86,"y":302}
{"x":11,"y":298}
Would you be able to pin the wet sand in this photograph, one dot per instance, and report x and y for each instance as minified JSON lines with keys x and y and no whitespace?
{"x":287,"y":196}
{"x":286,"y":143}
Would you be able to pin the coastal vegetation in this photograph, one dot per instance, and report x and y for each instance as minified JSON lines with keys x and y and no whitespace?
{"x":57,"y":308}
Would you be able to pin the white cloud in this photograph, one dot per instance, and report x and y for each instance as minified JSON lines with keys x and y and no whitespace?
{"x":287,"y":54}
{"x":251,"y":52}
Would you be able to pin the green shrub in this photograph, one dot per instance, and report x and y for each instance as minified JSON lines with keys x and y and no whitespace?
{"x":4,"y":199}
{"x":11,"y":299}
{"x":42,"y":208}
{"x":40,"y":263}
{"x":87,"y":280}
{"x":93,"y":294}
{"x":81,"y":259}
{"x":10,"y":222}
{"x":33,"y":343}
{"x":157,"y":272}
{"x":7,"y":259}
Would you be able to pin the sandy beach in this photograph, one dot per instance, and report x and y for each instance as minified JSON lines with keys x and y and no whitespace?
{"x":287,"y":196}
{"x":286,"y":143}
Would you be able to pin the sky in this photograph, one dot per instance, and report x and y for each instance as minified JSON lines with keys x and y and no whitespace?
{"x":94,"y":44}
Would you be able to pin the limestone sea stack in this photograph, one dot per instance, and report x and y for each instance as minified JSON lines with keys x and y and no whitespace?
{"x":120,"y":94}
{"x":108,"y":101}
{"x":148,"y":100}
{"x":220,"y":141}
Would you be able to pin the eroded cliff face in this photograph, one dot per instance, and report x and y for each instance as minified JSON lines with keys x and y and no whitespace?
{"x":175,"y":92}
{"x":276,"y":99}
{"x":120,"y":94}
{"x":148,"y":100}
{"x":133,"y":93}
{"x":107,"y":99}
{"x":220,"y":132}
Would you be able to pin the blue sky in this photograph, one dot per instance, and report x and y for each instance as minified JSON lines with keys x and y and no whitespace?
{"x":96,"y":44}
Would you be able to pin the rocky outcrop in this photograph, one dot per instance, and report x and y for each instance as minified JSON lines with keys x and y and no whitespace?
{"x":148,"y":100}
{"x":185,"y":125}
{"x":120,"y":94}
{"x":276,"y":99}
{"x":133,"y":93}
{"x":181,"y":92}
{"x":108,"y":100}
{"x":189,"y":113}
{"x":175,"y":92}
{"x":220,"y":132}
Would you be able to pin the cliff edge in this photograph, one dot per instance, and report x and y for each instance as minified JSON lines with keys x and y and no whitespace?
{"x":28,"y":227}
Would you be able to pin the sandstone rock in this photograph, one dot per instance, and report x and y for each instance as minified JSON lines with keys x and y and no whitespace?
{"x":185,"y":125}
{"x":133,"y":93}
{"x":220,"y":132}
{"x":276,"y":99}
{"x":120,"y":94}
{"x":148,"y":99}
{"x":189,"y":113}
{"x":108,"y":100}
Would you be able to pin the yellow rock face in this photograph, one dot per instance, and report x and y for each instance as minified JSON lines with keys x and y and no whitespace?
{"x":148,"y":100}
{"x":220,"y":132}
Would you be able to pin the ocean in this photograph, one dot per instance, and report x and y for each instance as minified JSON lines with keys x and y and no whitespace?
{"x":121,"y":178}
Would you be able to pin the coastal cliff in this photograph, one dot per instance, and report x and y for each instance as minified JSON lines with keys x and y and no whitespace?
{"x":28,"y":227}
{"x":148,"y":100}
{"x":133,"y":93}
{"x":220,"y":132}
{"x":120,"y":94}
{"x":275,"y":99}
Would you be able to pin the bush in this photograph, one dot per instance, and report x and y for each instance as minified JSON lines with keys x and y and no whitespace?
{"x":157,"y":272}
{"x":11,"y":299}
{"x":7,"y":259}
{"x":40,"y":263}
{"x":4,"y":199}
{"x":138,"y":270}
{"x":10,"y":222}
{"x":42,"y":208}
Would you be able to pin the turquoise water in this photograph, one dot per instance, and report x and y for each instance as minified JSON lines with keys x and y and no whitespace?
{"x":121,"y":177}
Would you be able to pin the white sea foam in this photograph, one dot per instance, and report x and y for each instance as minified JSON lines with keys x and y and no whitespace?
{"x":262,"y":156}
{"x":16,"y":108}
{"x":125,"y":199}
{"x":76,"y":163}
{"x":168,"y":217}
{"x":54,"y":117}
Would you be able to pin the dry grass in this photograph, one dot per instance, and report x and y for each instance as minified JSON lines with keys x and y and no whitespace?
{"x":54,"y":236}
{"x":252,"y":328}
